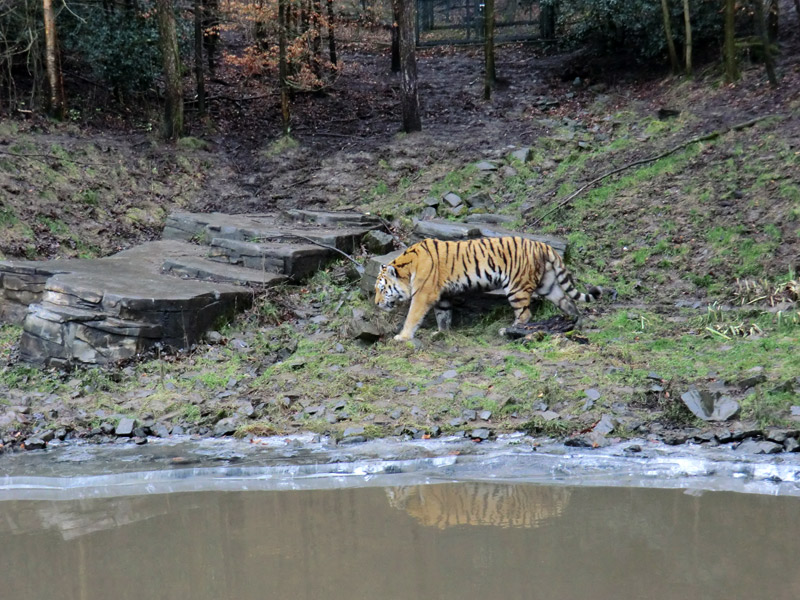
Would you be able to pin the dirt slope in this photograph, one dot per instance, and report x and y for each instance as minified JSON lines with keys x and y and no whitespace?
{"x":702,"y":245}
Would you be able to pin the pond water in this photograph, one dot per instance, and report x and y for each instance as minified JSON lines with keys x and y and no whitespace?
{"x":396,"y":537}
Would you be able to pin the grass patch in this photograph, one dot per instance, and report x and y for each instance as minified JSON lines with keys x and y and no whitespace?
{"x":556,"y":428}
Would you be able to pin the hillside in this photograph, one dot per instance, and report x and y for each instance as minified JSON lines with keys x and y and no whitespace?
{"x":702,"y":245}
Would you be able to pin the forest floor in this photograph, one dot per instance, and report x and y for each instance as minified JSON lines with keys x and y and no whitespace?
{"x":702,"y":244}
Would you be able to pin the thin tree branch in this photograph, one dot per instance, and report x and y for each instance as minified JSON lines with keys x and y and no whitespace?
{"x":388,"y":227}
{"x":701,"y":138}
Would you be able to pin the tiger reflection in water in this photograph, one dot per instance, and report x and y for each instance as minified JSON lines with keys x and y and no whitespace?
{"x":477,"y":503}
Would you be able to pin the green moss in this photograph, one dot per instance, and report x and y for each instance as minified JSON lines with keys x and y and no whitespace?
{"x":192,"y":143}
{"x":280,"y":146}
{"x":55,"y":226}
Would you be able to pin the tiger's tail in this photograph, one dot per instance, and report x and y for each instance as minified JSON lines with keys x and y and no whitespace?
{"x":561,"y":290}
{"x":567,"y":283}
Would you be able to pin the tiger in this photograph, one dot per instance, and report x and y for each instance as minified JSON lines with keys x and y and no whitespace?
{"x":431,"y":271}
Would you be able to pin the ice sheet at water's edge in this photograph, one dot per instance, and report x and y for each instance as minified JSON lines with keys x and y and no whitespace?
{"x":83,"y":471}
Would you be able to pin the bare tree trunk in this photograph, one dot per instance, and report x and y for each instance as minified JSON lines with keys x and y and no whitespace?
{"x":283,"y":70}
{"x":687,"y":20}
{"x":426,"y":20}
{"x":547,"y":20}
{"x":198,"y":57}
{"x":56,"y":103}
{"x":260,"y":27}
{"x":211,"y":32}
{"x":673,"y":55}
{"x":316,"y":41}
{"x":761,"y":30}
{"x":729,"y":48}
{"x":170,"y":56}
{"x":409,"y":97}
{"x":490,"y":73}
{"x":303,"y":20}
{"x":772,"y":20}
{"x":396,"y":36}
{"x":292,"y":18}
{"x":331,"y":35}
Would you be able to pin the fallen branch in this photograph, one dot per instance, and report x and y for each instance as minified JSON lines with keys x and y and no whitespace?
{"x":331,"y":134}
{"x":39,"y":157}
{"x":701,"y":138}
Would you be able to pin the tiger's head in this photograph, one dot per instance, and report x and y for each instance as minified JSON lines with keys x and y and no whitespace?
{"x":390,"y":290}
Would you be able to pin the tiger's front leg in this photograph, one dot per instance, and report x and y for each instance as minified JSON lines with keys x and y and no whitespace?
{"x":420,"y":305}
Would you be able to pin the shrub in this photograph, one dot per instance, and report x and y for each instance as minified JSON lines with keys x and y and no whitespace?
{"x":634,"y":26}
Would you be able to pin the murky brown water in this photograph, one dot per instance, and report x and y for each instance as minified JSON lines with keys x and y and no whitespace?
{"x":467,"y":540}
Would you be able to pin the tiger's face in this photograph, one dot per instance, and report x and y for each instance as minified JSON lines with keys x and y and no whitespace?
{"x":389,"y":289}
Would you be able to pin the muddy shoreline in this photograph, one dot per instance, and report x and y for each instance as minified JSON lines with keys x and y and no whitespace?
{"x":477,"y":431}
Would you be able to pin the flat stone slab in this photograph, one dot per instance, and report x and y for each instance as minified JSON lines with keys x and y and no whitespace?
{"x":338,"y":218}
{"x":110,"y":309}
{"x":344,"y":234}
{"x":22,"y":284}
{"x":488,"y":219}
{"x":292,"y":260}
{"x":205,"y":269}
{"x":710,"y":406}
{"x":169,"y":292}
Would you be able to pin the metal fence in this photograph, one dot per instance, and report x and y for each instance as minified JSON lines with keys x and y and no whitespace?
{"x":462,"y":21}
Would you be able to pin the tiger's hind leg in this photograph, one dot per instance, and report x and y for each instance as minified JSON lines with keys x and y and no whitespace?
{"x":443,"y":310}
{"x":553,"y":292}
{"x":520,"y":301}
{"x":568,"y":307}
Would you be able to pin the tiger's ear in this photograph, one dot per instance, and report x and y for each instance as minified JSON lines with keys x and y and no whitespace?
{"x":390,"y":270}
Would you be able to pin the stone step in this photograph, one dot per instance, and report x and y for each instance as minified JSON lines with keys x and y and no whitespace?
{"x":297,"y":261}
{"x":371,"y":270}
{"x":210,"y":270}
{"x":169,"y":292}
{"x":110,"y":309}
{"x":344,"y":234}
{"x":332,"y":218}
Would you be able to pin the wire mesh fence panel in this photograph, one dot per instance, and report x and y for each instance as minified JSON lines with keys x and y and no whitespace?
{"x":463,"y":21}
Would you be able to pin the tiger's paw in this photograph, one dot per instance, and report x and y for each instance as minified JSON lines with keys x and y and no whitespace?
{"x":401,"y":338}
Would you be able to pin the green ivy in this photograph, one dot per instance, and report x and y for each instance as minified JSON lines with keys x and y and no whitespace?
{"x":119,"y":45}
{"x":634,"y":26}
{"x":112,"y":43}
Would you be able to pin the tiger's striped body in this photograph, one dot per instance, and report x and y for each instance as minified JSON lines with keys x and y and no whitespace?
{"x":431,"y":270}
